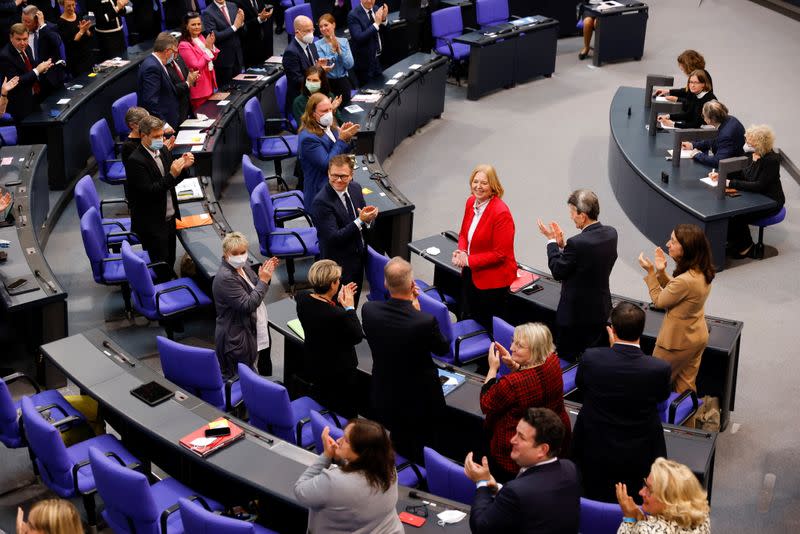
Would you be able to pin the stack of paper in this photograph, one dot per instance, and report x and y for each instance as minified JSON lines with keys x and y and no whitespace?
{"x":189,"y":189}
{"x":190,"y":137}
{"x":685,"y":153}
{"x":368,"y":99}
{"x":197,"y":123}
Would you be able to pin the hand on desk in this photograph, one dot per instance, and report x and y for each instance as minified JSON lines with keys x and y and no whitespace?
{"x":460,"y":258}
{"x":665,"y":121}
{"x":347,"y":295}
{"x":714,"y":176}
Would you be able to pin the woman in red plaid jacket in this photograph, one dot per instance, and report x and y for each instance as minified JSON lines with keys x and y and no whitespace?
{"x":534,"y":380}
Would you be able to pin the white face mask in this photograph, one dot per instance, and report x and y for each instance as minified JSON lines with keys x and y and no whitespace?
{"x":326,"y":119}
{"x":237,"y":262}
{"x":308,"y":38}
{"x":748,"y":148}
{"x":449,"y":517}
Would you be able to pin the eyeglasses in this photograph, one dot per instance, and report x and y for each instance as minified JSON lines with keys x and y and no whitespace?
{"x":695,"y":82}
{"x":340,"y":177}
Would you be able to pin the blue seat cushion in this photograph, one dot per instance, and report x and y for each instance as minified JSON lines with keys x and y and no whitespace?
{"x":114,"y":271}
{"x":115,"y":171}
{"x":281,"y":243}
{"x":473,"y":347}
{"x":423,"y":286}
{"x":683,"y":410}
{"x":301,"y":409}
{"x":406,"y":476}
{"x":274,"y":147}
{"x":176,"y":301}
{"x":460,"y":50}
{"x":284,"y":203}
{"x":80,"y":451}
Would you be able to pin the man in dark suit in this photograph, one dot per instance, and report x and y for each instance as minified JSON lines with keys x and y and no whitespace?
{"x":406,"y":392}
{"x":545,"y":496}
{"x":152,"y":176}
{"x":729,"y":142}
{"x":618,"y":434}
{"x":16,"y":60}
{"x":183,"y":79}
{"x":155,"y":90}
{"x":146,"y":18}
{"x":365,"y":22}
{"x":257,"y":35}
{"x":300,"y":54}
{"x":226,"y":20}
{"x":45,"y":43}
{"x":343,"y":219}
{"x":583,"y":265}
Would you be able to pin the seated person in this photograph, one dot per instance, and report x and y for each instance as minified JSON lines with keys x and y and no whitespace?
{"x":728,"y":143}
{"x":316,"y":81}
{"x":700,"y":92}
{"x":763,"y":175}
{"x":689,"y":61}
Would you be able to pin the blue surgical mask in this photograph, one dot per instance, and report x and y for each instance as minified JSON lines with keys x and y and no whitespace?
{"x":156,"y":144}
{"x":170,"y":60}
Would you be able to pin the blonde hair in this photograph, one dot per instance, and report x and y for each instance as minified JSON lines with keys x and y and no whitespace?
{"x":307,"y":120}
{"x":322,"y":274}
{"x":55,"y":516}
{"x":233,"y":241}
{"x":675,"y":486}
{"x":491,"y":176}
{"x":538,"y":339}
{"x":762,"y":137}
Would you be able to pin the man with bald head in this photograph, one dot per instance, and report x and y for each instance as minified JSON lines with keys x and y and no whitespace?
{"x":406,"y":393}
{"x":300,"y":54}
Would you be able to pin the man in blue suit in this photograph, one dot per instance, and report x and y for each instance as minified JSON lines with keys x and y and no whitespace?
{"x":299,"y":55}
{"x":729,"y":142}
{"x":545,"y":496}
{"x":45,"y":43}
{"x":343,"y":220}
{"x":364,"y":22}
{"x":225,"y":20}
{"x":155,"y":90}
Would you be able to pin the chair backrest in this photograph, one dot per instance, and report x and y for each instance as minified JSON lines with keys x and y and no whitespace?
{"x":446,"y":24}
{"x":8,"y":135}
{"x":198,"y":520}
{"x":446,"y":478}
{"x":355,"y":3}
{"x":252,"y":174}
{"x":490,"y":12}
{"x":126,"y":495}
{"x":280,"y":96}
{"x":374,"y":271}
{"x":318,"y":424}
{"x":294,"y":12}
{"x":254,"y":122}
{"x":118,"y":110}
{"x":102,"y":144}
{"x":9,"y":421}
{"x":94,"y":242}
{"x":263,"y":214}
{"x":86,"y":196}
{"x":55,"y":466}
{"x":195,"y":369}
{"x":439,"y":310}
{"x":503,"y":333}
{"x":143,"y":291}
{"x":267,"y":404}
{"x":599,"y":517}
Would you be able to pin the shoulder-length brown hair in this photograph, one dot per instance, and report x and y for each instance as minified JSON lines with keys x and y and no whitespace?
{"x":696,"y":251}
{"x":702,"y":77}
{"x":491,"y":176}
{"x":370,"y":441}
{"x":307,"y":120}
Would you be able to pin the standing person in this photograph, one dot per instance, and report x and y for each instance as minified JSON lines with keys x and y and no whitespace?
{"x":332,"y":330}
{"x":198,"y":54}
{"x":146,"y":18}
{"x":9,"y":14}
{"x":365,"y":22}
{"x":152,"y":176}
{"x":729,"y":142}
{"x":45,"y":43}
{"x":618,"y":433}
{"x":359,"y":495}
{"x":242,"y":332}
{"x":343,"y":220}
{"x":300,"y":54}
{"x":337,"y":51}
{"x":155,"y":90}
{"x":485,"y":248}
{"x":184,"y":81}
{"x":225,"y":20}
{"x":583,"y":265}
{"x":257,"y":34}
{"x":545,"y":497}
{"x":320,"y":139}
{"x":133,"y":117}
{"x":684,"y":333}
{"x":16,"y":61}
{"x":535,"y":380}
{"x":50,"y":516}
{"x":108,"y":25}
{"x":76,"y":33}
{"x":402,"y":338}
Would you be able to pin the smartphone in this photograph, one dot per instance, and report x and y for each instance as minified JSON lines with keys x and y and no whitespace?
{"x":216,"y":432}
{"x":19,"y":282}
{"x":411,"y":519}
{"x":532,"y":289}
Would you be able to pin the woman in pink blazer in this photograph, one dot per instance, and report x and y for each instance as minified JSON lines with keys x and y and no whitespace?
{"x":198,"y":53}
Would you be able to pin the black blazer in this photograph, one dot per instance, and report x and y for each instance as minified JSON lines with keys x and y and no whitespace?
{"x":364,"y":44}
{"x":404,"y":377}
{"x":257,"y":37}
{"x":21,"y":100}
{"x":583,"y":268}
{"x":49,"y":8}
{"x":156,"y":93}
{"x":181,"y":89}
{"x":295,"y":62}
{"x":230,"y":47}
{"x":146,"y":20}
{"x":49,"y":47}
{"x":340,"y":239}
{"x":762,"y":176}
{"x":545,"y":498}
{"x":692,"y":114}
{"x":147,"y":190}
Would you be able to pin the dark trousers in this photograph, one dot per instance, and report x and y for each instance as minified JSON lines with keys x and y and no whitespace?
{"x":110,"y":45}
{"x":265,"y":361}
{"x":739,"y":237}
{"x":354,"y":273}
{"x":572,"y":340}
{"x":411,"y":433}
{"x":341,"y":86}
{"x":337,"y":391}
{"x":481,"y":304}
{"x":226,"y":74}
{"x":160,"y":245}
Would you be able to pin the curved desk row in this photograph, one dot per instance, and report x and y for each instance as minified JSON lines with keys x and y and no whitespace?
{"x":461,"y":431}
{"x":636,"y":162}
{"x":718,"y":370}
{"x":260,"y":466}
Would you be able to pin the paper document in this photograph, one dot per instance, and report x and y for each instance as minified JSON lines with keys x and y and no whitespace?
{"x":190,"y":137}
{"x":366,"y":98}
{"x":393,"y":81}
{"x":353,"y":108}
{"x":274,"y":59}
{"x":661,"y":99}
{"x":248,"y":77}
{"x":685,"y":153}
{"x":189,"y":189}
{"x":709,"y":181}
{"x":62,"y":101}
{"x":197,"y":123}
{"x":666,"y":127}
{"x":415,"y":66}
{"x":605,"y":6}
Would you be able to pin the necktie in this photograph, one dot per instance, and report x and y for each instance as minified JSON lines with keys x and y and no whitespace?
{"x":349,"y":205}
{"x":372,"y":20}
{"x":35,"y":48}
{"x":224,"y":9}
{"x":28,"y":68}
{"x":178,"y":70}
{"x":308,"y":54}
{"x":159,"y":163}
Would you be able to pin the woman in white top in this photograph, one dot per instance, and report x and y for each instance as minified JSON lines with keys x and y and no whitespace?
{"x":359,"y":494}
{"x":241,"y":334}
{"x":198,"y":53}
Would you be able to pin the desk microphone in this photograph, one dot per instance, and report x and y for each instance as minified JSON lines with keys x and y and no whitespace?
{"x":629,"y":111}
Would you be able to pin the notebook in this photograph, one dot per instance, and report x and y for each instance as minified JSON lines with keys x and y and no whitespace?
{"x":450,"y":381}
{"x":297,"y":328}
{"x":524,"y":279}
{"x":198,"y":443}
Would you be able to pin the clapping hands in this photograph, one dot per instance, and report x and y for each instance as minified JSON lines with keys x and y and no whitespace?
{"x":347,"y":131}
{"x":460,"y":258}
{"x":267,"y":269}
{"x":329,"y":445}
{"x":347,"y":295}
{"x":553,"y":231}
{"x":658,"y":265}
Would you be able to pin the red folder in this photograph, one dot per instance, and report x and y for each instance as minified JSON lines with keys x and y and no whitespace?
{"x":219,"y":443}
{"x":524,"y":279}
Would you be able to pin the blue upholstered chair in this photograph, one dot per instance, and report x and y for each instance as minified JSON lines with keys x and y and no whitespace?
{"x":86,"y":197}
{"x":491,"y":12}
{"x":274,"y":148}
{"x":679,"y":407}
{"x":758,"y":250}
{"x":118,"y":110}
{"x":8,"y":131}
{"x":158,"y":302}
{"x":286,"y":206}
{"x":599,"y":517}
{"x":468,"y":340}
{"x":299,"y":8}
{"x":196,"y":370}
{"x":446,"y":25}
{"x":133,"y":506}
{"x":65,"y":470}
{"x":109,"y":167}
{"x":447,"y":479}
{"x":197,"y":520}
{"x":286,"y":243}
{"x":288,"y":4}
{"x":286,"y":117}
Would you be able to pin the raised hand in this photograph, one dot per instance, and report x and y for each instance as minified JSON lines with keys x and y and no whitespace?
{"x":347,"y":295}
{"x":336,"y":102}
{"x":645,"y":263}
{"x":559,"y":234}
{"x":211,"y":38}
{"x":629,"y":508}
{"x":8,"y":85}
{"x":660,"y":259}
{"x":329,"y":445}
{"x":494,"y":357}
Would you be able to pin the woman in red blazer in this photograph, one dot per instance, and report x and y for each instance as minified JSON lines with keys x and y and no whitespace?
{"x":198,"y":53}
{"x":485,"y":248}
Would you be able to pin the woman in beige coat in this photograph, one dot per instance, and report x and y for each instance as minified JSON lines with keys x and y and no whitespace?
{"x":684,"y":333}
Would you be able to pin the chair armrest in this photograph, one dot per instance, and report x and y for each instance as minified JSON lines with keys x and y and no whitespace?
{"x":83,"y":463}
{"x":111,"y":201}
{"x":286,"y":122}
{"x":172,"y":290}
{"x":470,"y":29}
{"x":14,"y":377}
{"x":282,"y":138}
{"x":228,"y":388}
{"x":300,"y":239}
{"x":156,"y":264}
{"x":438,"y":292}
{"x":414,"y":467}
{"x":299,"y":430}
{"x":673,"y":407}
{"x":121,"y":234}
{"x":569,"y":367}
{"x":165,"y":516}
{"x":459,"y":339}
{"x":288,"y":194}
{"x":114,"y":223}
